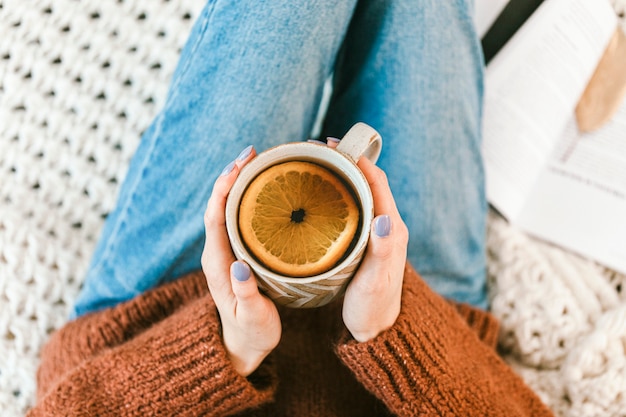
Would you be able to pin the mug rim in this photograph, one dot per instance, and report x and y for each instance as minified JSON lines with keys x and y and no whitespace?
{"x":276,"y":155}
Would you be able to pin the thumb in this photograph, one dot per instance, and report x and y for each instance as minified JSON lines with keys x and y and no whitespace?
{"x":380,"y":244}
{"x":243,"y":282}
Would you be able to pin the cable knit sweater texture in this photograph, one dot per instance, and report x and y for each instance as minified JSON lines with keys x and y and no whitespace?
{"x":161,"y":354}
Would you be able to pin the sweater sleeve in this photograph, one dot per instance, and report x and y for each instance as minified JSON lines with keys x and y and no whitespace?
{"x":431,"y":362}
{"x":159,"y":354}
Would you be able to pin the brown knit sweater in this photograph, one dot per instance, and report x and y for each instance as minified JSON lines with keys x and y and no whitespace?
{"x":161,"y":354}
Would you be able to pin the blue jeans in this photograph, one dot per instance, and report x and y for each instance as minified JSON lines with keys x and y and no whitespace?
{"x":254,"y":73}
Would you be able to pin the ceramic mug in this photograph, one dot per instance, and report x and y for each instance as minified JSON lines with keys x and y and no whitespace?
{"x":314,"y":291}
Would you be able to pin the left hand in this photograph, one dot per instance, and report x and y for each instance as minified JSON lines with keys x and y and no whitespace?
{"x":372,"y":300}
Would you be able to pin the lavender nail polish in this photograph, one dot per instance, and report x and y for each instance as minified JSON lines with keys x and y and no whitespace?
{"x":245,"y":153}
{"x":332,"y":139}
{"x":228,"y":169}
{"x":240,"y":271}
{"x":382,"y":225}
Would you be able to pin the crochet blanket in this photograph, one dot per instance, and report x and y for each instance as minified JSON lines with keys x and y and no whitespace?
{"x":80,"y":80}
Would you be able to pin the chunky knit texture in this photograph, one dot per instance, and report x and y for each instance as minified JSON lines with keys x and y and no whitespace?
{"x":161,"y":354}
{"x":80,"y":80}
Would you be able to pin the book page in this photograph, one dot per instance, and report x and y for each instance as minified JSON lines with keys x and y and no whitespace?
{"x":531,"y":89}
{"x":485,"y":13}
{"x":580,"y":199}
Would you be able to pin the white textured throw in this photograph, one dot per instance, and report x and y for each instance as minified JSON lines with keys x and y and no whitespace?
{"x":80,"y":80}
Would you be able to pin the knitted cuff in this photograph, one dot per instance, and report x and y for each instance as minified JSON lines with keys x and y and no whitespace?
{"x":430,"y":362}
{"x":399,"y":369}
{"x":482,"y":323}
{"x":177,"y":366}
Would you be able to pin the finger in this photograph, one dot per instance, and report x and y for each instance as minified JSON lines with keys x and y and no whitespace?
{"x":244,"y":284}
{"x":381,"y":226}
{"x":385,"y":258}
{"x":372,"y":302}
{"x":245,"y":289}
{"x":215,"y":213}
{"x":384,"y":203}
{"x":332,"y":142}
{"x":217,"y":253}
{"x":380,"y":244}
{"x":377,"y":260}
{"x":245,"y":156}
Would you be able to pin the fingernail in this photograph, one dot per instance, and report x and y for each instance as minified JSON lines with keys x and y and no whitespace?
{"x":382,"y":225}
{"x":318,"y":142}
{"x":228,"y":169}
{"x":245,"y":153}
{"x":330,"y":138}
{"x":240,"y":270}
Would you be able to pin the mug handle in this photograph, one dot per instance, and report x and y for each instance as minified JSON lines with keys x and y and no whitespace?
{"x":361,"y":140}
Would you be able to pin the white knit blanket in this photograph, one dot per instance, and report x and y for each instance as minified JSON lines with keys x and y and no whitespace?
{"x":80,"y":80}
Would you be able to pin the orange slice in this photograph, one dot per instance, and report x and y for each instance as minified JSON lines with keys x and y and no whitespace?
{"x":298,"y":218}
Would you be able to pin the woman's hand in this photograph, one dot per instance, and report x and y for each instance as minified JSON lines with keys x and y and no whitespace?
{"x":251,"y":325}
{"x":372,"y":300}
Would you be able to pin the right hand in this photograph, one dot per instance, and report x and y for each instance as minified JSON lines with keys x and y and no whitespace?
{"x":251,"y":326}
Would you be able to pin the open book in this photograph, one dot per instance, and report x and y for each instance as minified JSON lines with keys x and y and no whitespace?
{"x":543,"y":175}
